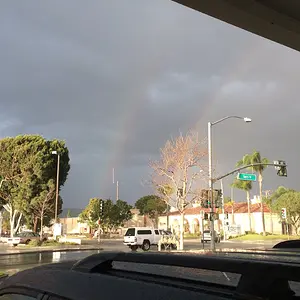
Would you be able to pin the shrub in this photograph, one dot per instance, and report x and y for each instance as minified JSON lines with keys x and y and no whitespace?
{"x":35,"y":243}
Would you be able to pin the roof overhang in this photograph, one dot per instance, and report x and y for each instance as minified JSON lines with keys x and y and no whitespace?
{"x":276,"y":20}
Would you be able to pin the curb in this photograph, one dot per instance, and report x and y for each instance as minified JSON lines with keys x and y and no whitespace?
{"x":258,"y":242}
{"x":272,"y":252}
{"x":233,"y":250}
{"x":17,"y":252}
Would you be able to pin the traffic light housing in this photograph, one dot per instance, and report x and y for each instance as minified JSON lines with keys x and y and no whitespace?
{"x":205,"y":202}
{"x":281,"y":169}
{"x":101,"y":208}
{"x":283,"y":213}
{"x":206,"y":198}
{"x":180,"y":192}
{"x":218,"y":198}
{"x":205,"y":216}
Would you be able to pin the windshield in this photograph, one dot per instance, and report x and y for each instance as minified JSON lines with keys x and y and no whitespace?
{"x":130,"y":232}
{"x":124,"y":119}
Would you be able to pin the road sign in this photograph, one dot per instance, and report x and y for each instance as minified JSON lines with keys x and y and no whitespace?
{"x":246,"y":176}
{"x":283,"y":213}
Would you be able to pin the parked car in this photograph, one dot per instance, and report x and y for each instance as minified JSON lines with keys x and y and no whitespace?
{"x":206,"y":237}
{"x":24,"y":238}
{"x":141,"y":237}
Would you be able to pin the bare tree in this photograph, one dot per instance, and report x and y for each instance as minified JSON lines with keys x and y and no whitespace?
{"x":44,"y":204}
{"x":175,"y":174}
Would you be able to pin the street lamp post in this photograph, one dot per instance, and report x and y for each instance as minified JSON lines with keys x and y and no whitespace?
{"x":212,"y":211}
{"x":57,"y":184}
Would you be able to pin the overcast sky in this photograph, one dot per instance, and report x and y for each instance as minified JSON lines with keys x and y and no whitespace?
{"x":116,"y":79}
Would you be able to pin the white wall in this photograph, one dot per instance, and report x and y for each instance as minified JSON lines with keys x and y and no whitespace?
{"x":193,"y":222}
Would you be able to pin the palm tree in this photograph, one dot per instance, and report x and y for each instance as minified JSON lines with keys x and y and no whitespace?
{"x":247,"y":187}
{"x":230,"y":202}
{"x":255,"y":158}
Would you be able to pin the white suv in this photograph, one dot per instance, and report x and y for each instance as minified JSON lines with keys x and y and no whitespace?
{"x":141,"y":237}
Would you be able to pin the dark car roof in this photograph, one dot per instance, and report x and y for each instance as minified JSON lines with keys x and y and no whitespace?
{"x":100,"y":277}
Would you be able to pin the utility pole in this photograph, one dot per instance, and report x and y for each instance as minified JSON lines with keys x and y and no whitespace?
{"x":211,"y":180}
{"x":117,"y":185}
{"x":57,"y":187}
{"x":223,"y":211}
{"x":57,"y":184}
{"x":117,"y":192}
{"x":212,"y":217}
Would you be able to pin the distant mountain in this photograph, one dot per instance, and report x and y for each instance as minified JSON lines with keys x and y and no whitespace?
{"x":73,"y":212}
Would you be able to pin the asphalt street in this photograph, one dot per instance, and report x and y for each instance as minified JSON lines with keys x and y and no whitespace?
{"x":14,"y":263}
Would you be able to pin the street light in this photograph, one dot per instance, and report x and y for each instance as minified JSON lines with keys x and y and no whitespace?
{"x":57,"y":184}
{"x":210,"y":124}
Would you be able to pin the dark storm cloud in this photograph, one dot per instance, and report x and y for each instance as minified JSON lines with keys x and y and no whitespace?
{"x":117,"y":79}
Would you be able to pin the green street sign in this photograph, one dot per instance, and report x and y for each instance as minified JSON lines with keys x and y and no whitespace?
{"x":245,"y":176}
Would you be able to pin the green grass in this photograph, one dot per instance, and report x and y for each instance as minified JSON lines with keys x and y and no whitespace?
{"x":192,"y":236}
{"x":256,"y":237}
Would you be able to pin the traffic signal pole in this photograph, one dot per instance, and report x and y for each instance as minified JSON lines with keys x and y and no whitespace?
{"x":281,"y":166}
{"x":99,"y":231}
{"x":211,"y":194}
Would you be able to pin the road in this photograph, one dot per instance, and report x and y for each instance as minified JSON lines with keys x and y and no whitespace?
{"x":14,"y":263}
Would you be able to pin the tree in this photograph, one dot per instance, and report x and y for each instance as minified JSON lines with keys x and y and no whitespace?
{"x":230,"y":202}
{"x":91,"y":214}
{"x":43,"y":205}
{"x":255,"y":158}
{"x":246,"y":186}
{"x":291,"y":201}
{"x":179,"y":167}
{"x":278,"y":193}
{"x":227,"y":200}
{"x":164,"y":193}
{"x":271,"y":198}
{"x":119,"y":214}
{"x":151,"y":205}
{"x":114,"y":215}
{"x":26,"y":166}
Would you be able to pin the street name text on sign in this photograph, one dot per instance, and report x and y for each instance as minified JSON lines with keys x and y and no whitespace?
{"x":246,"y":176}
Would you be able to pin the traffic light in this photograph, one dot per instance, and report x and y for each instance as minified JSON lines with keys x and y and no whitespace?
{"x":205,"y":202}
{"x":205,"y":216}
{"x":180,"y":192}
{"x":214,"y":216}
{"x":101,"y":208}
{"x":218,"y":198}
{"x":283,"y":213}
{"x":281,"y":169}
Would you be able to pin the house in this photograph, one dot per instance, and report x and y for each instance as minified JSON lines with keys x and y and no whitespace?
{"x":235,"y":217}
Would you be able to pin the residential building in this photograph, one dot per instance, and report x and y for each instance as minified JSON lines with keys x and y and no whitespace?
{"x":235,"y":216}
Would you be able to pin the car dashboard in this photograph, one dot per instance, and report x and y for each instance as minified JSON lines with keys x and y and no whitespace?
{"x":115,"y":275}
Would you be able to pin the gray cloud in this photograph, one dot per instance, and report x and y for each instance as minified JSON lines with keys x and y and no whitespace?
{"x":116,"y":80}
